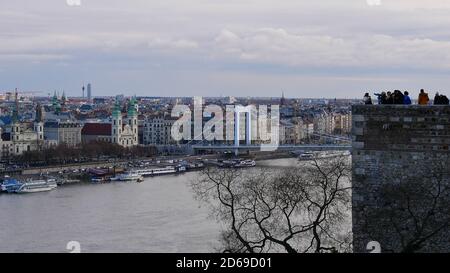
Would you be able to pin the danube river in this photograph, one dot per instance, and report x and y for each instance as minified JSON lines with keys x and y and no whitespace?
{"x":158,"y":215}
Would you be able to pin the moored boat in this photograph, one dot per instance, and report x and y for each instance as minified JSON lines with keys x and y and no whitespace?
{"x":10,"y":185}
{"x":237,"y":163}
{"x":128,"y":176}
{"x":37,"y":186}
{"x":160,"y":171}
{"x":67,"y":181}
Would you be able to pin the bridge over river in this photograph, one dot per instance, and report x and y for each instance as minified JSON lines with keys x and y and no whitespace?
{"x":248,"y":148}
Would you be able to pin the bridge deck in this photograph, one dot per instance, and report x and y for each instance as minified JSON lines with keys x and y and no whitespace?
{"x":274,"y":147}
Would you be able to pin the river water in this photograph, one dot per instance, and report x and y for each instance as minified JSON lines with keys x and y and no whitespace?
{"x":158,"y":215}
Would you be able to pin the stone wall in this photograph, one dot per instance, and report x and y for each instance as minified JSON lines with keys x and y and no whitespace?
{"x":391,"y":144}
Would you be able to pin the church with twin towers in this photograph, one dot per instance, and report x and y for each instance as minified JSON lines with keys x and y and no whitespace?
{"x":124,"y":130}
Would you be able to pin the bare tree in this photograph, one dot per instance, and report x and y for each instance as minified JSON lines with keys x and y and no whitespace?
{"x":412,"y":211}
{"x":294,"y":210}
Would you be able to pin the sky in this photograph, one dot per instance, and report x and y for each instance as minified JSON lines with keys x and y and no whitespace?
{"x":304,"y":48}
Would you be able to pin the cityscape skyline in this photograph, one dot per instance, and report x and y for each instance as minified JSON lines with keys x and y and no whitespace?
{"x":225,"y":127}
{"x":82,"y":94}
{"x":245,"y":48}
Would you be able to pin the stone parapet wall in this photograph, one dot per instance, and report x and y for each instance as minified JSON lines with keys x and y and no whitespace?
{"x":402,"y":141}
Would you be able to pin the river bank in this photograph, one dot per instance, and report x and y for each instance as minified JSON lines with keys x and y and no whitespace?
{"x":257,"y":156}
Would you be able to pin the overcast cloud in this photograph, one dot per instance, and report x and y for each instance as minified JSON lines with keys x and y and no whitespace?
{"x":323,"y":48}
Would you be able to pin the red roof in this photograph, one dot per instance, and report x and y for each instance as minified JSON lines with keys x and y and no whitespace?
{"x":96,"y":129}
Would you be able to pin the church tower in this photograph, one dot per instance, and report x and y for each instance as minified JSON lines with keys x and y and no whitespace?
{"x":116,"y":123}
{"x":63,"y":102}
{"x":15,"y":124}
{"x":54,"y":100}
{"x":133,"y":119}
{"x":39,"y":123}
{"x":56,"y":104}
{"x":282,"y":100}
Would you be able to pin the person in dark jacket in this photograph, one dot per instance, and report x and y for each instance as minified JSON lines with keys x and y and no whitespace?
{"x":437,"y":99}
{"x":440,"y":100}
{"x":445,"y":100}
{"x":398,"y":97}
{"x":389,"y":98}
{"x":381,"y":97}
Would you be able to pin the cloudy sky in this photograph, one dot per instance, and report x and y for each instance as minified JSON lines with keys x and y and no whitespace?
{"x":322,"y":48}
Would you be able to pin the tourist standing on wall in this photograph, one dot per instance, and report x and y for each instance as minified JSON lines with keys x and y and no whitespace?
{"x":437,"y":99}
{"x":398,"y":97}
{"x":440,"y":100}
{"x":367,"y":99}
{"x":406,"y":98}
{"x":423,"y":98}
{"x":381,"y":97}
{"x":389,"y":98}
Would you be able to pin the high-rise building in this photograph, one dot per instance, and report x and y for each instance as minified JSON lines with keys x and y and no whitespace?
{"x":89,"y":91}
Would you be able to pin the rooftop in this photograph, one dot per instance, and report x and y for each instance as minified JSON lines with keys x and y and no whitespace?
{"x":102,"y":129}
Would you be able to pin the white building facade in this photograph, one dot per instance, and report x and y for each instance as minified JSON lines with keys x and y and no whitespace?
{"x":23,"y":136}
{"x":157,"y":130}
